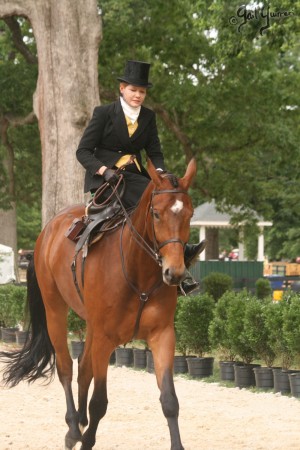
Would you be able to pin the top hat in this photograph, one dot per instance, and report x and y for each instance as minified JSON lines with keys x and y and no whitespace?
{"x":136,"y":73}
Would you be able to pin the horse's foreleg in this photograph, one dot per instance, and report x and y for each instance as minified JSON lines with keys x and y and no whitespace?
{"x":163,"y":348}
{"x":100,"y":355}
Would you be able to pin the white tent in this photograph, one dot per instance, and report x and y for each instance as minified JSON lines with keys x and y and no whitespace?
{"x":7,"y":264}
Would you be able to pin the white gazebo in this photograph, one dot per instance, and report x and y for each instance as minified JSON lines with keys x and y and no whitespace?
{"x":207,"y":216}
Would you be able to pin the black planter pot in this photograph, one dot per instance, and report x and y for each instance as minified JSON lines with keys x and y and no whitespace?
{"x":295,"y":383}
{"x":264,"y":378}
{"x":227,"y":370}
{"x":200,"y":367}
{"x":150,"y":362}
{"x":9,"y":334}
{"x":244,"y":375}
{"x":139,"y":358}
{"x":281,"y":380}
{"x":124,"y":357}
{"x":76,"y":348}
{"x":21,"y":337}
{"x":180,"y":364}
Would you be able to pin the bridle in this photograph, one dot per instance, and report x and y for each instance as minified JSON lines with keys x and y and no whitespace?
{"x":154,"y":252}
{"x":159,"y":246}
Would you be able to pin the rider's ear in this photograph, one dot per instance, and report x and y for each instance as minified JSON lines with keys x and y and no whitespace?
{"x":189,"y":175}
{"x":154,"y":174}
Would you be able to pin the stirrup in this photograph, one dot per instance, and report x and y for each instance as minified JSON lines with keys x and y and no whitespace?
{"x":188,"y":285}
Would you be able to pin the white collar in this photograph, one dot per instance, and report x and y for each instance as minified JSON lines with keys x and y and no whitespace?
{"x":129,"y":111}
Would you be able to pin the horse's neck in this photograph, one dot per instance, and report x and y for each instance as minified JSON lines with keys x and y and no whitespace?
{"x":136,"y":230}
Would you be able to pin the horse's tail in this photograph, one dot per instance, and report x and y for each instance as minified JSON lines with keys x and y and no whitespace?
{"x":37,"y":357}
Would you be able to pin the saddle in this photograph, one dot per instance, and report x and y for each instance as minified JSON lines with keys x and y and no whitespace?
{"x":92,"y":226}
{"x":98,"y":219}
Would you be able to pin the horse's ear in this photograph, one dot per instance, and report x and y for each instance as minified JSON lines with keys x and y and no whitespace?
{"x":190,"y":174}
{"x":153,"y":173}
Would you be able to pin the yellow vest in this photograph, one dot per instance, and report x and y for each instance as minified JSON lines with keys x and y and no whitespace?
{"x":131,"y":129}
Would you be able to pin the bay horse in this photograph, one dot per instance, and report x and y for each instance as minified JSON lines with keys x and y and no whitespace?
{"x":141,"y":263}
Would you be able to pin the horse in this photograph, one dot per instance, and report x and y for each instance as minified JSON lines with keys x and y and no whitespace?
{"x":131,"y":276}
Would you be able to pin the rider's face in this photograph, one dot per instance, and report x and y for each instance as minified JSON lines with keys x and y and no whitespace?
{"x":133,"y":95}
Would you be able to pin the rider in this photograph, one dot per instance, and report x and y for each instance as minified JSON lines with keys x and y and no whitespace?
{"x":116,"y":135}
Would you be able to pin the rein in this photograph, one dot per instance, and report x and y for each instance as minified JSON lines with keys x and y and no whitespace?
{"x":153,"y":253}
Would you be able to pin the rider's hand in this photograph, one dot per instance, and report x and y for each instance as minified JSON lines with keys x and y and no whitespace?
{"x":110,"y":177}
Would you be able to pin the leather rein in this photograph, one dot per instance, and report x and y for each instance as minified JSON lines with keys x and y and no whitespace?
{"x":152,"y":252}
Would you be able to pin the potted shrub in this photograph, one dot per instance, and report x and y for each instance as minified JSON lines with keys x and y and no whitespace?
{"x":192,"y":324}
{"x":180,"y":362}
{"x":77,"y":326}
{"x":219,"y":337}
{"x":257,"y":333}
{"x":243,"y":374}
{"x":124,"y":356}
{"x":139,"y":355}
{"x":216,"y":284}
{"x":291,"y":330}
{"x":279,"y":343}
{"x":12,"y":310}
{"x":263,"y":288}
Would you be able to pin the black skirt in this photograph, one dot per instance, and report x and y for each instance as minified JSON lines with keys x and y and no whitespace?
{"x":135,"y":184}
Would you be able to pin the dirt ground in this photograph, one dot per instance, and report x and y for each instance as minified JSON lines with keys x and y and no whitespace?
{"x":212,"y":417}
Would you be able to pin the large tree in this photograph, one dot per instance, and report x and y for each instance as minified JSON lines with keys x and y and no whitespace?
{"x":67,"y":35}
{"x":229,"y":98}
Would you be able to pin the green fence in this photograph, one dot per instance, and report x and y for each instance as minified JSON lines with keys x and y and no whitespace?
{"x":244,"y":273}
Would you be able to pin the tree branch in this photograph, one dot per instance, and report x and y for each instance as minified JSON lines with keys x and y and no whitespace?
{"x":17,"y":38}
{"x":19,"y":121}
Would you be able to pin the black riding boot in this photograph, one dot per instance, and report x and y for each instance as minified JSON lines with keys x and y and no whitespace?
{"x":190,"y":254}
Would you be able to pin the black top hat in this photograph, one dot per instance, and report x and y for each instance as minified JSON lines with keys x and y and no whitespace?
{"x":136,"y":73}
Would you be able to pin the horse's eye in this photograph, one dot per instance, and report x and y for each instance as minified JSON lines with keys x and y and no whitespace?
{"x":155,"y":215}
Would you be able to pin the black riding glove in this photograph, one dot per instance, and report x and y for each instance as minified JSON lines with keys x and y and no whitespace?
{"x":110,"y":177}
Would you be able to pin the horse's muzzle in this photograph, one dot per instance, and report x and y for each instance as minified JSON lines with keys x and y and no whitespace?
{"x":172,"y":276}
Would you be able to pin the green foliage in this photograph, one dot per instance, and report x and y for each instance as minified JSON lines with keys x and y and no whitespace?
{"x":276,"y":336}
{"x":291,"y":324}
{"x":256,"y":329}
{"x":228,"y":98}
{"x":218,"y":328}
{"x":17,"y":85}
{"x":12,"y":305}
{"x":216,"y":284}
{"x":263,"y":288}
{"x":76,"y":325}
{"x":192,"y":322}
{"x":236,"y":332}
{"x":180,"y":344}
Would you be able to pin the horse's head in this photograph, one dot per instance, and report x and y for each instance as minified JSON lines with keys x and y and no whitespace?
{"x":169,"y":227}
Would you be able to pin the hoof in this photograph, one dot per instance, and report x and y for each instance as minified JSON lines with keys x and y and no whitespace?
{"x":71,"y":441}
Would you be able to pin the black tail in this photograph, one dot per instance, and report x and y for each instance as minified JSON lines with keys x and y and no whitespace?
{"x":37,"y":358}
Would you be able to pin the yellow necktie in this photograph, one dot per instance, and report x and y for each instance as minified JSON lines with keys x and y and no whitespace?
{"x":131,"y":126}
{"x":131,"y":129}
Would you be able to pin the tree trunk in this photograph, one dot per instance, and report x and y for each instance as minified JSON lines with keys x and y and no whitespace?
{"x":8,"y":218}
{"x":67,"y":34}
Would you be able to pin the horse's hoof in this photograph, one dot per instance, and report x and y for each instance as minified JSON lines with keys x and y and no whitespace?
{"x":71,"y":441}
